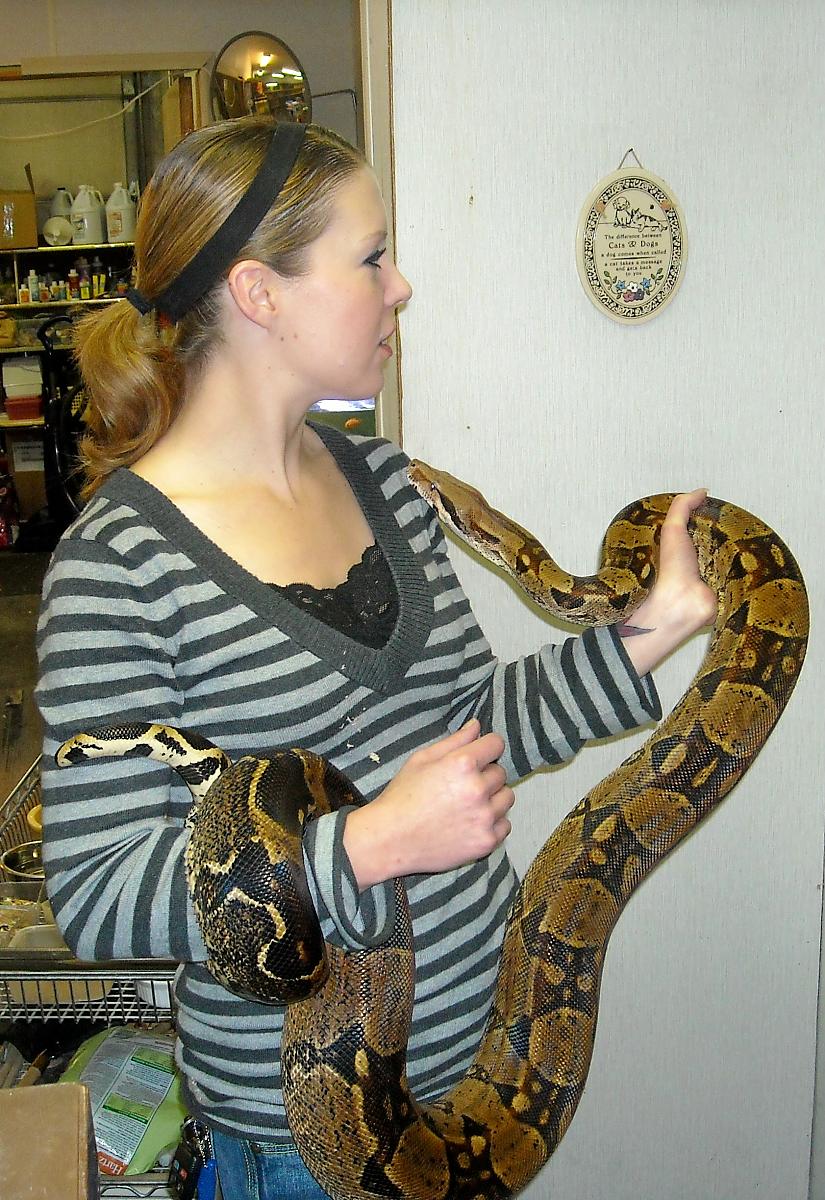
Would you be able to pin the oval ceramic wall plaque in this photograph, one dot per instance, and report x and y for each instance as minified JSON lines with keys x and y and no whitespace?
{"x":631,"y":245}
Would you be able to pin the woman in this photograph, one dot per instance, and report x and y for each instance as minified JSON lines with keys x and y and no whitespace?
{"x":242,"y":573}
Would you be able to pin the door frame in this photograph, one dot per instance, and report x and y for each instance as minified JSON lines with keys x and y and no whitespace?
{"x":376,"y":75}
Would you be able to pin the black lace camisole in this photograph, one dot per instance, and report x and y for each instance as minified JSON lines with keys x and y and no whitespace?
{"x":364,"y":606}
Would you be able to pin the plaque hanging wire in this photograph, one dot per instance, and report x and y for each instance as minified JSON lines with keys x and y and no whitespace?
{"x":624,"y":160}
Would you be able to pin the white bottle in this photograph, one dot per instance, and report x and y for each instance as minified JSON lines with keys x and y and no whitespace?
{"x":61,"y":205}
{"x":120,"y":215}
{"x":88,"y":216}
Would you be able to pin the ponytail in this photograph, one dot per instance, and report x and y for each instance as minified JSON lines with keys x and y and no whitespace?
{"x":133,"y":381}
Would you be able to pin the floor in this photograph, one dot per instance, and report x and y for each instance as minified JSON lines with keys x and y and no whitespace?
{"x":21,"y":578}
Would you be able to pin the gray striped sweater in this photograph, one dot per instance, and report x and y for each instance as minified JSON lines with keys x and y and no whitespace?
{"x":144,"y":618}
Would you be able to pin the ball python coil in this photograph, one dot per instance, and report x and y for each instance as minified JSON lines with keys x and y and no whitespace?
{"x":357,"y":1126}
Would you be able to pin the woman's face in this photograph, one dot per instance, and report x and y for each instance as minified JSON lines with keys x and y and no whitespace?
{"x":335,"y":319}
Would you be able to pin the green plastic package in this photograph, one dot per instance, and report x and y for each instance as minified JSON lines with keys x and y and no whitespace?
{"x":135,"y":1093}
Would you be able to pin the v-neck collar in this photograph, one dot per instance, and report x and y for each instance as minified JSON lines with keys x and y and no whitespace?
{"x":374,"y":668}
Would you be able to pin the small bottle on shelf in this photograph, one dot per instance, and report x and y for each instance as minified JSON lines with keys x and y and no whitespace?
{"x":98,"y":278}
{"x":73,"y":281}
{"x":85,"y":279}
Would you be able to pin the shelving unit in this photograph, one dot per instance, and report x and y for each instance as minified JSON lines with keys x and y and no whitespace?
{"x":117,"y":256}
{"x":33,"y":488}
{"x":7,"y":422}
{"x":104,"y":991}
{"x":41,"y":304}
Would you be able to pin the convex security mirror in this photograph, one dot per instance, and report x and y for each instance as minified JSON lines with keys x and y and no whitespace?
{"x":258,"y":73}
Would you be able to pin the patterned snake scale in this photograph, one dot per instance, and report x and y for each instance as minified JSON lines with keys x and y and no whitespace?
{"x":353,"y":1118}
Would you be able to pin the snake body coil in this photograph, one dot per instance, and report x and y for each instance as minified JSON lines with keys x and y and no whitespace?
{"x":353,"y":1118}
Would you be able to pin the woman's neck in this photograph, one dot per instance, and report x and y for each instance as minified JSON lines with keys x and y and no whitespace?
{"x":235,"y":423}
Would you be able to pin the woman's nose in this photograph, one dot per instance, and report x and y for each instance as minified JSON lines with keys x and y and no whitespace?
{"x":399,"y":290}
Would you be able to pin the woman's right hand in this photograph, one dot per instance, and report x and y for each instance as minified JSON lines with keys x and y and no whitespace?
{"x":446,"y":807}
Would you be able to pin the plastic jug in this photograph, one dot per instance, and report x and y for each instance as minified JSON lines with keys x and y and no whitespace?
{"x":88,"y":217}
{"x":120,"y":215}
{"x":61,"y":205}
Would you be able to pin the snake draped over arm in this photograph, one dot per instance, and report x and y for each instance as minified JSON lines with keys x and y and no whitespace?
{"x":358,"y":1128}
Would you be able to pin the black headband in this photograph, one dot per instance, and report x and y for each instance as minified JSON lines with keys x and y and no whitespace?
{"x":216,"y":255}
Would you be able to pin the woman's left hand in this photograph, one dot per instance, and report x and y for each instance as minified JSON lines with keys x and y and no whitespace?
{"x":681,"y":602}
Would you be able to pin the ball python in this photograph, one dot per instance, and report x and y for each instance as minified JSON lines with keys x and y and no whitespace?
{"x":351,"y":1113}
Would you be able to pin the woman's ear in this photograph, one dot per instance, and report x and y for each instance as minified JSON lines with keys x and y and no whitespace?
{"x":254,"y":288}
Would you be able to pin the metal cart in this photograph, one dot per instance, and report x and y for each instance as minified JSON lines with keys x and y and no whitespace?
{"x":52,"y":985}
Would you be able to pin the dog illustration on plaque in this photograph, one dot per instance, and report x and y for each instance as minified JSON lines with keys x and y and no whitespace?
{"x":626,"y":217}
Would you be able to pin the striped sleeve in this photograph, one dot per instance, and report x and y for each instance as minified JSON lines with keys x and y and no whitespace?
{"x":350,"y":918}
{"x":546,"y":705}
{"x":114,"y":836}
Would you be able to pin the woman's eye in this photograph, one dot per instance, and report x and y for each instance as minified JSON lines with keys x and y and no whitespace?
{"x":373,"y":260}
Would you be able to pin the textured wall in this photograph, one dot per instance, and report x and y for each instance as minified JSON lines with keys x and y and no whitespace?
{"x":506,"y":115}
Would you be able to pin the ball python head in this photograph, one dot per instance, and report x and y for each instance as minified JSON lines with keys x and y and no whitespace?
{"x":351,"y":1113}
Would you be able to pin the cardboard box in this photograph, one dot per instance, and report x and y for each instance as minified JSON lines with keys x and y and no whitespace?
{"x":47,"y":1143}
{"x":18,"y":217}
{"x":25,"y":450}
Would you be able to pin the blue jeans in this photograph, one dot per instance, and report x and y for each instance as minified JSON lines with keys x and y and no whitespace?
{"x":262,"y":1171}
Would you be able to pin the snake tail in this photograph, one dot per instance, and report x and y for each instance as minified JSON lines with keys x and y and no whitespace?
{"x":197,"y":760}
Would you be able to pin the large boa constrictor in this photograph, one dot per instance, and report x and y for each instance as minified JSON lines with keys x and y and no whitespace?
{"x":358,"y":1128}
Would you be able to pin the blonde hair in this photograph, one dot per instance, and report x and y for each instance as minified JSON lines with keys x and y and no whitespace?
{"x":134,"y":366}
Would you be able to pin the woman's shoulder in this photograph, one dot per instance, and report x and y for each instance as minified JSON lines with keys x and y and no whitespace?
{"x":115,"y":506}
{"x":112,"y":533}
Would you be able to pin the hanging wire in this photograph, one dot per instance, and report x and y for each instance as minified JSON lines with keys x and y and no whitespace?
{"x":30,"y":137}
{"x":624,"y":160}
